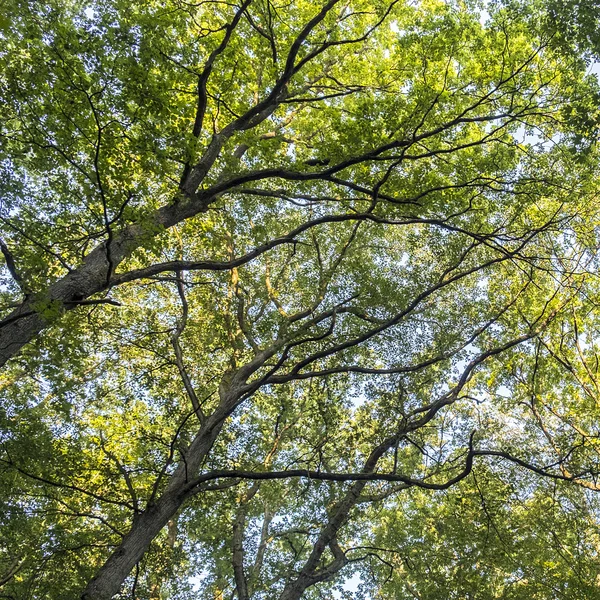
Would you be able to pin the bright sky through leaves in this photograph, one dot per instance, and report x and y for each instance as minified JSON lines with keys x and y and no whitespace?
{"x":299,"y":300}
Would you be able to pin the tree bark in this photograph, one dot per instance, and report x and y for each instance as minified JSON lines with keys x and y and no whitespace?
{"x":145,"y":528}
{"x":91,"y":277}
{"x":147,"y":525}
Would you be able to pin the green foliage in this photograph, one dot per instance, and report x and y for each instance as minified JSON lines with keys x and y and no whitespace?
{"x":318,"y":282}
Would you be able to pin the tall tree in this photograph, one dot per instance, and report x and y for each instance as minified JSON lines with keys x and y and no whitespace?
{"x":293,"y":292}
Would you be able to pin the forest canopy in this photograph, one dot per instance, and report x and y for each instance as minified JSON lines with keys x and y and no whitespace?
{"x":299,"y":300}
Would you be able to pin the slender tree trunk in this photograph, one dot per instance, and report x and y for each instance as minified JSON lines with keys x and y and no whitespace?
{"x":309,"y":576}
{"x":310,"y":573}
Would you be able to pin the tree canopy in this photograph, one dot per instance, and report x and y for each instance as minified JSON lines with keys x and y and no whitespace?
{"x":296,"y":294}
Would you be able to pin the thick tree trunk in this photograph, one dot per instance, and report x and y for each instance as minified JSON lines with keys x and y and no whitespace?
{"x":91,"y":277}
{"x":135,"y":544}
{"x":25,"y":322}
{"x":147,"y":525}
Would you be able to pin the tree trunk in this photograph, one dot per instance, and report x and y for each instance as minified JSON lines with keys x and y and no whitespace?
{"x":91,"y":277}
{"x":147,"y":525}
{"x":135,"y":544}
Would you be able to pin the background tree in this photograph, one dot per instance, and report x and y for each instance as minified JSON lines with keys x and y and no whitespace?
{"x":317,"y":286}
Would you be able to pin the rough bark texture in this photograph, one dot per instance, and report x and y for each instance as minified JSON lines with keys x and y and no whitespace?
{"x":147,"y":525}
{"x":91,"y":277}
{"x":145,"y":528}
{"x":25,"y":322}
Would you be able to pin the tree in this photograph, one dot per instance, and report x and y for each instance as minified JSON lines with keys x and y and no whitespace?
{"x":294,"y":292}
